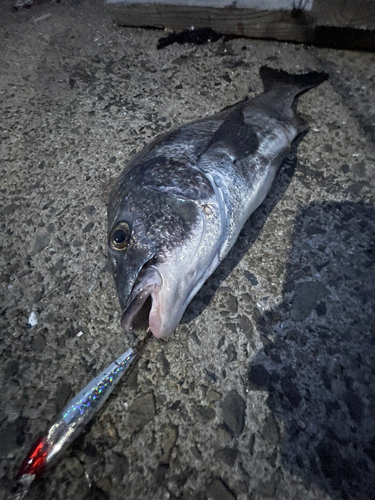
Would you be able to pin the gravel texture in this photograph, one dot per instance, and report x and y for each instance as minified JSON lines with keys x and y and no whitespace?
{"x":266,"y":389}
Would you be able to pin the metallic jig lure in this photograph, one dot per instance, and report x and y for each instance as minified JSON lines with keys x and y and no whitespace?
{"x":72,"y":419}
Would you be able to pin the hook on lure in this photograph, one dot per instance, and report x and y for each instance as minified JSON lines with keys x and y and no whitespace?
{"x":72,"y":419}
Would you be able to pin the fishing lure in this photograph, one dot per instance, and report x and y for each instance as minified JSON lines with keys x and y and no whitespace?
{"x":72,"y":419}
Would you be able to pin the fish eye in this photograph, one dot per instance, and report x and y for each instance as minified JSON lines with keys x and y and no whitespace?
{"x":119,"y":237}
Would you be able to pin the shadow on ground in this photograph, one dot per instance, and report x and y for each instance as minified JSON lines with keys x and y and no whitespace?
{"x":318,"y":361}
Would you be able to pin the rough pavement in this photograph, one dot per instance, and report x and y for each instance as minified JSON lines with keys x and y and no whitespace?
{"x":267,"y":388}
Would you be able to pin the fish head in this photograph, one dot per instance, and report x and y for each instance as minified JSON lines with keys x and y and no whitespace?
{"x":155,"y":251}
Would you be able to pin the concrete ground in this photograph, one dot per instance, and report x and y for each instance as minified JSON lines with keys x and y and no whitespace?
{"x":267,"y":388}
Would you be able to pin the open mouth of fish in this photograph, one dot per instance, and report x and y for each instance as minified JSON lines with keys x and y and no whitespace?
{"x":146,"y":286}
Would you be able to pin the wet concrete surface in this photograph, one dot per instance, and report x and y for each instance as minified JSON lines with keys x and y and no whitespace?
{"x":266,"y":389}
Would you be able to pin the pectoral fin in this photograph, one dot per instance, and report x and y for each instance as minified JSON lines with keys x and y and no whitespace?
{"x":236,"y":136}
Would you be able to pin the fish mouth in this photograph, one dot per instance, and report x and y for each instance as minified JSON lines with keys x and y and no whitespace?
{"x":146,"y":286}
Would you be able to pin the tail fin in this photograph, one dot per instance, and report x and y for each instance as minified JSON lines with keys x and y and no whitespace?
{"x":273,"y":78}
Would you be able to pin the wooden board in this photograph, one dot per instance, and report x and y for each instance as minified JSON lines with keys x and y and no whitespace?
{"x":337,"y":23}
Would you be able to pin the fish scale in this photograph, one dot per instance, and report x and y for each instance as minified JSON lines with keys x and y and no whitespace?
{"x":223,"y":165}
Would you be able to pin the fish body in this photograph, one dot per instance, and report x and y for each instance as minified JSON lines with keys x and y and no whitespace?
{"x":178,"y":207}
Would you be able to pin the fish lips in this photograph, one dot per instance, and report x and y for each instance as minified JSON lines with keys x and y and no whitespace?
{"x":148,"y":283}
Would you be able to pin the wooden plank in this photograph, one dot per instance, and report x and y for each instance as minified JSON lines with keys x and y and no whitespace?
{"x":228,"y":21}
{"x":337,"y":23}
{"x":238,"y":4}
{"x":356,"y":14}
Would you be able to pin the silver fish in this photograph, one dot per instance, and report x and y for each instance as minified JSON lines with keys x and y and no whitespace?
{"x":178,"y":207}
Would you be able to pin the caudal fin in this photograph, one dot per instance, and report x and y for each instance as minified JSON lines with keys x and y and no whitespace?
{"x":273,"y":78}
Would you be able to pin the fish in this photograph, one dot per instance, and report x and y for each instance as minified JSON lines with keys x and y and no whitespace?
{"x":179,"y":205}
{"x":72,"y":420}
